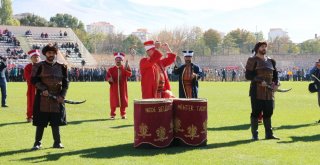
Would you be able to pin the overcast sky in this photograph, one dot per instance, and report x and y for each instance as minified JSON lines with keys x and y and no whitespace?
{"x":300,"y":18}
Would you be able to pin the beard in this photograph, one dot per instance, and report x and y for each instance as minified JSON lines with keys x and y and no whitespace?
{"x":50,"y":59}
{"x":263,"y":52}
{"x":188,"y":61}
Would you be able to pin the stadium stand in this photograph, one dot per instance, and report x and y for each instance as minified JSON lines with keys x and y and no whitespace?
{"x":37,"y":37}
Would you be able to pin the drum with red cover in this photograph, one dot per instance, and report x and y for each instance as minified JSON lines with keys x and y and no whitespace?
{"x":153,"y":123}
{"x":190,"y":121}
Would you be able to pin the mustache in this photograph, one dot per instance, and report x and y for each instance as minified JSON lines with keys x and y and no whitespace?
{"x":263,"y":51}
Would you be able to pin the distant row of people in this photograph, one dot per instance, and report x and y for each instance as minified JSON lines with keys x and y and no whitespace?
{"x":45,"y":35}
{"x":98,"y":74}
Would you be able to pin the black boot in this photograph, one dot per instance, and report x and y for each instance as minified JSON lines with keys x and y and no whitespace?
{"x":268,"y":128}
{"x":37,"y":143}
{"x":56,"y":137}
{"x":254,"y":128}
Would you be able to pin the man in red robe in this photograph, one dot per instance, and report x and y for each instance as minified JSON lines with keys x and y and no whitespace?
{"x":31,"y":92}
{"x":154,"y":78}
{"x":117,"y":76}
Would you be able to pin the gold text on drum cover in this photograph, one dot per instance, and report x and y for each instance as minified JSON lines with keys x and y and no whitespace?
{"x":163,"y":108}
{"x":191,"y":108}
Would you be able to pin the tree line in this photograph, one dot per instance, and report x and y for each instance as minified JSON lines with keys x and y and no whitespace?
{"x":207,"y":43}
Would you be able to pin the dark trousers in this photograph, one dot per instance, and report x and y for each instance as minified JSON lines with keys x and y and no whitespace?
{"x":258,"y":106}
{"x":55,"y":134}
{"x":3,"y":86}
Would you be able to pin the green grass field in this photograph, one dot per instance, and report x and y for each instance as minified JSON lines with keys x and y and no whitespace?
{"x":90,"y":138}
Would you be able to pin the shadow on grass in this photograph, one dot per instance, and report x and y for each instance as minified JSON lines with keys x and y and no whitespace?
{"x":71,"y":122}
{"x":124,"y":150}
{"x":231,"y":128}
{"x":13,"y":123}
{"x":8,"y":153}
{"x":122,"y":126}
{"x":294,"y":126}
{"x":247,"y":126}
{"x":86,"y":121}
{"x":311,"y":138}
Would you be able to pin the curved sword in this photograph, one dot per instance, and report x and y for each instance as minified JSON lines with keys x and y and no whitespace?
{"x":66,"y":101}
{"x":279,"y":90}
